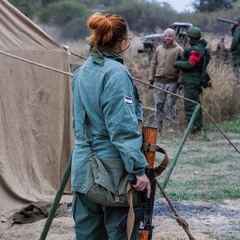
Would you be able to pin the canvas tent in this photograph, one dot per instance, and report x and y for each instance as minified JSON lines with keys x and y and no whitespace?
{"x":35,"y":113}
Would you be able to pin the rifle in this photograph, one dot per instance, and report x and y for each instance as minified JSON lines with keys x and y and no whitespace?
{"x":225,"y":20}
{"x":144,"y":211}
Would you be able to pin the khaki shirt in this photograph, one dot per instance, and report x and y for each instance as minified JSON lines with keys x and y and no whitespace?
{"x":162,"y":67}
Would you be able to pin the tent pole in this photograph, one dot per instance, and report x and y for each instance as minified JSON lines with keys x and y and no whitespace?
{"x":181,"y":146}
{"x":56,"y":200}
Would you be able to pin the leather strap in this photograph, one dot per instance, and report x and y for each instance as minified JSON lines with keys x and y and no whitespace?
{"x":131,"y":215}
{"x":148,"y":147}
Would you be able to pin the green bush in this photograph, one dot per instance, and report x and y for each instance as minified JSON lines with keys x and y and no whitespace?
{"x":61,"y":13}
{"x":145,"y":17}
{"x":27,"y":7}
{"x":75,"y":29}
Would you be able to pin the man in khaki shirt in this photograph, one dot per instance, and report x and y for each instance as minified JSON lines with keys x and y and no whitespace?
{"x":166,"y":76}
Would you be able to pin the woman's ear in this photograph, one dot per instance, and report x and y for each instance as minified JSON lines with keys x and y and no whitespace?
{"x":122,"y":45}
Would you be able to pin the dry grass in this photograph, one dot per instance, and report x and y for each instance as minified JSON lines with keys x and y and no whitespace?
{"x":221,"y":100}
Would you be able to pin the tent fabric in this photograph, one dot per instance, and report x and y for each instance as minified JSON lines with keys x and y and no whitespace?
{"x":35,"y":113}
{"x":39,"y":210}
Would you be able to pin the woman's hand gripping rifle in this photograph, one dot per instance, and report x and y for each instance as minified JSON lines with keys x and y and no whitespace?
{"x":144,"y":211}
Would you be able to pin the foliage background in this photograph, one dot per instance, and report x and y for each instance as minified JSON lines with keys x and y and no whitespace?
{"x":143,"y":16}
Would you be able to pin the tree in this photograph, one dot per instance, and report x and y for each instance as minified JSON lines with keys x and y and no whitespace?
{"x":27,"y":7}
{"x":212,"y":5}
{"x":45,"y":2}
{"x":62,"y":12}
{"x":147,"y":18}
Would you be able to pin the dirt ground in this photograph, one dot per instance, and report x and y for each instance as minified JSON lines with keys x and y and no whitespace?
{"x":206,"y":221}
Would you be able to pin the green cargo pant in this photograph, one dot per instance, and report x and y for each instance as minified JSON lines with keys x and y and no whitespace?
{"x":96,"y":222}
{"x":193,"y":92}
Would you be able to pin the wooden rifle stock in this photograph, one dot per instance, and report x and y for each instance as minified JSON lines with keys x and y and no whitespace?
{"x":144,"y":211}
{"x":149,"y":137}
{"x":143,"y":234}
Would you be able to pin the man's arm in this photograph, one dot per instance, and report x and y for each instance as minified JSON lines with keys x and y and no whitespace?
{"x":193,"y":60}
{"x":152,"y":71}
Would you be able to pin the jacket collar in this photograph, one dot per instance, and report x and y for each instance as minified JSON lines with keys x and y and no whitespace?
{"x":202,"y":42}
{"x":98,"y":57}
{"x":169,"y":45}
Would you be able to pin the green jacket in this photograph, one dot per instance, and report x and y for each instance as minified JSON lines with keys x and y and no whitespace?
{"x":235,"y":46}
{"x":113,"y":107}
{"x":191,"y":74}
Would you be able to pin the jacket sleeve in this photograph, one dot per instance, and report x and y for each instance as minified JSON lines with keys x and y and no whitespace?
{"x":183,"y":65}
{"x":179,"y":58}
{"x":192,"y":61}
{"x":153,"y":66}
{"x":119,"y":102}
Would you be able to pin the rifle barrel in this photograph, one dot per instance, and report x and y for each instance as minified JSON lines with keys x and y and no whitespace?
{"x":225,"y":20}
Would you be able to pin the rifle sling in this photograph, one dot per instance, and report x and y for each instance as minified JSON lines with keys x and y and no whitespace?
{"x":148,"y":147}
{"x":131,"y":215}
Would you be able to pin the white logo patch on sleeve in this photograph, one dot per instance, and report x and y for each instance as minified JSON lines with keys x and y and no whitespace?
{"x":128,"y":101}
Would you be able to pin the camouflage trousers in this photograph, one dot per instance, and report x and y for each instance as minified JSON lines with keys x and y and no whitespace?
{"x":165,"y":104}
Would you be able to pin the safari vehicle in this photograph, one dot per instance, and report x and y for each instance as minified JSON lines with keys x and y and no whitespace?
{"x":150,"y":42}
{"x":181,"y":30}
